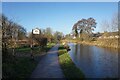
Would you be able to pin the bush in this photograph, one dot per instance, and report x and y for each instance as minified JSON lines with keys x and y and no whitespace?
{"x":81,"y":39}
{"x":86,"y":37}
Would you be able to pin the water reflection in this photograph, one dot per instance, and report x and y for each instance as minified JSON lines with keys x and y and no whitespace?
{"x":95,"y":62}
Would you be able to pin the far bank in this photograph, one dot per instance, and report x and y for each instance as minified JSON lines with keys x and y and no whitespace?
{"x":114,"y":43}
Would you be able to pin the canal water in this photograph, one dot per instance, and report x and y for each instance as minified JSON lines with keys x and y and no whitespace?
{"x":95,"y":62}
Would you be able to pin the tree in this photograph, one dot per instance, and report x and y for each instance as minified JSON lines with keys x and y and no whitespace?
{"x":114,"y":22}
{"x":75,"y":28}
{"x":105,"y":26}
{"x":48,"y":33}
{"x":84,"y":26}
{"x":21,"y":32}
{"x":110,"y":25}
{"x":58,"y":36}
{"x":5,"y":31}
{"x":10,"y":32}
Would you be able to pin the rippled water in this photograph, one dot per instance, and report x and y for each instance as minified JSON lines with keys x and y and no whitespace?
{"x":95,"y":62}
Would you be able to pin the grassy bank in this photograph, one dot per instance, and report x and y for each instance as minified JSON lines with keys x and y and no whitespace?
{"x":69,"y":69}
{"x":108,"y":43}
{"x":21,"y":67}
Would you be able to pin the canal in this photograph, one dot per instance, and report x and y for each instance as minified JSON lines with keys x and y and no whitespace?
{"x":95,"y":62}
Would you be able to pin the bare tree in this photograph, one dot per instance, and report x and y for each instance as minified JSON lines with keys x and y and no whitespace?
{"x":58,"y":36}
{"x":105,"y":26}
{"x":114,"y":22}
{"x":110,"y":25}
{"x":48,"y":34}
{"x":10,"y":31}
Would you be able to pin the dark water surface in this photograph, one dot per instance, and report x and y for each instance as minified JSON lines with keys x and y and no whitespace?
{"x":95,"y":62}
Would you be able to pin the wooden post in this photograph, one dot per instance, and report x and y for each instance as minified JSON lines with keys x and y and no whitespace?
{"x":34,"y":32}
{"x":31,"y":46}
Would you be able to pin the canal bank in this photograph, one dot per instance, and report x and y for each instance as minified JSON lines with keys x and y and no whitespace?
{"x":100,"y":43}
{"x":69,"y":69}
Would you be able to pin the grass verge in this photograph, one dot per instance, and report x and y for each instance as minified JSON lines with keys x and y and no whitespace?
{"x":69,"y":69}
